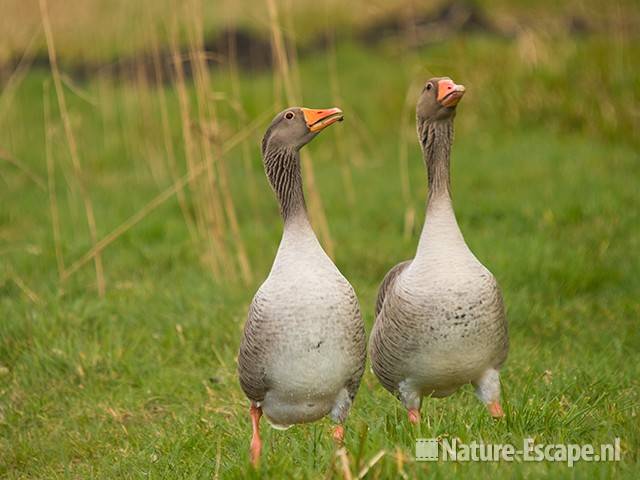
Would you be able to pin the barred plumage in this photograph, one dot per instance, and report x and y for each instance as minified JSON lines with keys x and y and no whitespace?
{"x":440,"y":319}
{"x":303,"y":350}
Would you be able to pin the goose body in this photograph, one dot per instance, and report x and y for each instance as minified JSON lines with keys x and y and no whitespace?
{"x":440,"y":320}
{"x":303,"y":350}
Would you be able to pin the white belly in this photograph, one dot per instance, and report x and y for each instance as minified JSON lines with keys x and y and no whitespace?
{"x":311,"y":317}
{"x":459,"y":326}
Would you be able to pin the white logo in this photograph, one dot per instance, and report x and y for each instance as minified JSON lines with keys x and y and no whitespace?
{"x":445,"y":449}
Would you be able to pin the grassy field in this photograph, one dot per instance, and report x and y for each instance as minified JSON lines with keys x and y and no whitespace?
{"x":141,"y":382}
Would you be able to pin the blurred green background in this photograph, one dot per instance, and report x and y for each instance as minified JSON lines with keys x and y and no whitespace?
{"x":136,"y":222}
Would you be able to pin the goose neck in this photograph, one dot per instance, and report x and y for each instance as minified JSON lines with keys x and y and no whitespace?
{"x":282,"y":166}
{"x":436,"y":139}
{"x":440,"y":226}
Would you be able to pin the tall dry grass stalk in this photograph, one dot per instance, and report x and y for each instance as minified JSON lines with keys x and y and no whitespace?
{"x":30,"y":174}
{"x":403,"y":155}
{"x":17,"y":76}
{"x":162,"y":197}
{"x":20,"y":283}
{"x":281,"y":77}
{"x":51,"y":183}
{"x":220,"y":206}
{"x":210,"y":201}
{"x":341,"y":150}
{"x":207,"y":205}
{"x":71,"y":143}
{"x":148,"y":149}
{"x":290,"y":46}
{"x":243,"y":118}
{"x":217,"y":180}
{"x":293,"y":97}
{"x":215,"y":255}
{"x":106,"y":109}
{"x":166,"y":134}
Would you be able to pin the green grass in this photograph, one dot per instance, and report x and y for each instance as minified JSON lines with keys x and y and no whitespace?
{"x":142,"y":383}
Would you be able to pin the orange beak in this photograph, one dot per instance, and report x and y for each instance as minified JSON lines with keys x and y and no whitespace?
{"x":449,"y":94}
{"x":318,"y":120}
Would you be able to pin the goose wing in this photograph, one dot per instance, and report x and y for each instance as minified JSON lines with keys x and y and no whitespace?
{"x":253,"y":352}
{"x":387,"y":283}
{"x":358,"y":350}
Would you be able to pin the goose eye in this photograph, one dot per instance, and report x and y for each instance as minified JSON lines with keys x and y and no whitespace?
{"x":289,"y":115}
{"x":429,"y":86}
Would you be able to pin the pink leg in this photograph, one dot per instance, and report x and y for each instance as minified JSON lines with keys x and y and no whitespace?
{"x":338,"y":434}
{"x":495,"y":409}
{"x":414,"y":415}
{"x":256,"y":442}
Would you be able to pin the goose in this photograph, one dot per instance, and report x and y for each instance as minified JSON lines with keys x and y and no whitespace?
{"x":440,"y":320}
{"x":303,"y":349}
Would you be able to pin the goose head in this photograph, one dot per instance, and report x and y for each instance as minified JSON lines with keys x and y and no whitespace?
{"x":438,"y":100}
{"x":435,"y":111}
{"x":289,"y":131}
{"x":294,"y":127}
